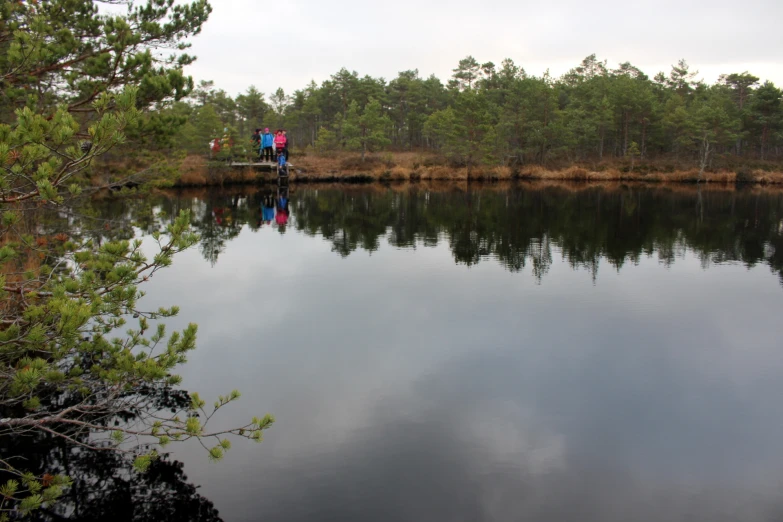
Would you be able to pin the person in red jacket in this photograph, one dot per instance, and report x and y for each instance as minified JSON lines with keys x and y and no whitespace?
{"x":281,"y":142}
{"x":281,"y":216}
{"x":214,"y":147}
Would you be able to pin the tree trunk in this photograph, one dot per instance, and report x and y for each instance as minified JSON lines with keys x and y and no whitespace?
{"x":704,"y":156}
{"x":601,"y":143}
{"x":643,"y":151}
{"x":625,"y":133}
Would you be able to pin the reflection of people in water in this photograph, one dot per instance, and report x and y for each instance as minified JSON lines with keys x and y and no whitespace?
{"x":282,"y":207}
{"x":268,"y":208}
{"x":217,"y":213}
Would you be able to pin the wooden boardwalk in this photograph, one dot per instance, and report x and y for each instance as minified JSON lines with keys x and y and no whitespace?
{"x":269,"y":164}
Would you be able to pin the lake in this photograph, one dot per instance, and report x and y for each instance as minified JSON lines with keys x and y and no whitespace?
{"x":486,"y":352}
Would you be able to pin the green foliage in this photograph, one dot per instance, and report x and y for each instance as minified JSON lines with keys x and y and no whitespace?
{"x":251,"y":109}
{"x":143,"y":462}
{"x":27,"y":492}
{"x":446,"y":133}
{"x":202,"y":127}
{"x":634,"y":152}
{"x":502,"y":114}
{"x":76,"y":84}
{"x":326,"y":141}
{"x":365,"y":130}
{"x":466,"y":73}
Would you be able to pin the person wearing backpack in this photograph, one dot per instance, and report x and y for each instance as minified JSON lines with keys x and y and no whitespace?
{"x":267,"y":142}
{"x":256,"y":139}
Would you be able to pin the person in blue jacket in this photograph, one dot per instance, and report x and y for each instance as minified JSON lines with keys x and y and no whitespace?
{"x":267,"y":141}
{"x":268,"y":209}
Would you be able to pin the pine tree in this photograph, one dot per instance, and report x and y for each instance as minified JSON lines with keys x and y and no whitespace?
{"x":366,"y":130}
{"x":766,"y":112}
{"x":74,"y":83}
{"x":446,"y":134}
{"x":327,"y":141}
{"x":251,"y":108}
{"x":634,"y":152}
{"x":466,"y":73}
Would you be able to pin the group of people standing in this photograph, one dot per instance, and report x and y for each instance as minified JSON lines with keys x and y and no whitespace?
{"x":270,"y":146}
{"x":216,"y":145}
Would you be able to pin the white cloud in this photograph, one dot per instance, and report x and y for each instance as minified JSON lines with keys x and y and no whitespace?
{"x":249,"y":42}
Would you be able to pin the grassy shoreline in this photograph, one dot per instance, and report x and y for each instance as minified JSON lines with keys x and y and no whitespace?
{"x":196,"y":171}
{"x":468,"y":186}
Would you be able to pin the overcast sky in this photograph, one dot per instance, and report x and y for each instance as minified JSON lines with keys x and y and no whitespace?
{"x":250,"y":42}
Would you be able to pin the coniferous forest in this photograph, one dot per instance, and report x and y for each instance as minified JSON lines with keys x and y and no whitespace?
{"x":487,"y":114}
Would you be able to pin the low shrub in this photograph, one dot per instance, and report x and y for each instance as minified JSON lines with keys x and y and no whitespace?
{"x":356,"y":163}
{"x":435,"y":161}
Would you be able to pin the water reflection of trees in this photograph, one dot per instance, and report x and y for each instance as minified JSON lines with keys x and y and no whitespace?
{"x":519,"y":227}
{"x":529,"y":227}
{"x":106,"y":488}
{"x":105,"y":485}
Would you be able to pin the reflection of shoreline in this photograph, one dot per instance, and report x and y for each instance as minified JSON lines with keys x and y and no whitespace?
{"x":523,"y":224}
{"x":494,"y":186}
{"x":519,"y":224}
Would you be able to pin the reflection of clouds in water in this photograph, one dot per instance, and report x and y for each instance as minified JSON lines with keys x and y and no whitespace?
{"x":509,"y":434}
{"x":415,"y":459}
{"x":407,"y":387}
{"x":480,"y":457}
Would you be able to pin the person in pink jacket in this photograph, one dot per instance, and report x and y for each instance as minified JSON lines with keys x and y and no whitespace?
{"x":281,"y":142}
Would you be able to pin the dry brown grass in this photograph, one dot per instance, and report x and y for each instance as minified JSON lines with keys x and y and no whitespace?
{"x":763,"y":177}
{"x":502,"y":172}
{"x":443,"y":172}
{"x":416,"y":166}
{"x":399,"y":172}
{"x":192,"y":178}
{"x":196,"y":172}
{"x":408,"y":159}
{"x":577,"y":173}
{"x":317,"y":164}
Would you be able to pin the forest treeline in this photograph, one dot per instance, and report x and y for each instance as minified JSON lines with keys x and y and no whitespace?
{"x":493,"y":115}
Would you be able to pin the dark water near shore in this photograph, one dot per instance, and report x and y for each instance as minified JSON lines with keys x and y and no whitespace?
{"x":488,"y":353}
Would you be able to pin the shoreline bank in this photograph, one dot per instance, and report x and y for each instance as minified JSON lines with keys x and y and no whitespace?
{"x":198,"y":172}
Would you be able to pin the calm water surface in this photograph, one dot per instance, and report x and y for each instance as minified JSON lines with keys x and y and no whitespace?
{"x":489,"y":353}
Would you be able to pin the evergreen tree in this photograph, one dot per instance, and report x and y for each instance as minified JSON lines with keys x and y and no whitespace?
{"x":74,"y":83}
{"x":591,"y":112}
{"x":202,"y":127}
{"x":446,"y":135}
{"x":681,"y":79}
{"x":327,"y":141}
{"x":252,"y":109}
{"x":711,"y":125}
{"x":475,"y":118}
{"x":366,"y":130}
{"x":741,"y":85}
{"x":466,"y":73}
{"x":766,"y":113}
